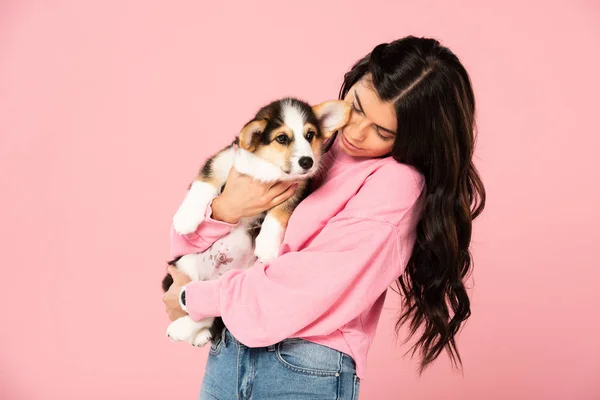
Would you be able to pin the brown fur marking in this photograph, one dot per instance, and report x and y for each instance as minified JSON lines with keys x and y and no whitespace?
{"x":283,"y":211}
{"x":250,"y":134}
{"x":319,"y":110}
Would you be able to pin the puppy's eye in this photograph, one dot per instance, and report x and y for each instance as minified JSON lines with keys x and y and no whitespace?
{"x":283,"y":139}
{"x":310,"y":135}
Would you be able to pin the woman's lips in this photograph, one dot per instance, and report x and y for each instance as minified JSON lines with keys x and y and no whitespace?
{"x":348,"y":144}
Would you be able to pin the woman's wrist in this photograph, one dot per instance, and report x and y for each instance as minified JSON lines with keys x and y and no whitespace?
{"x":220,"y":212}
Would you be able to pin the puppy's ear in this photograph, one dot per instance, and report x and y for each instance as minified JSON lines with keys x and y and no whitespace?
{"x":250,"y":134}
{"x":332,"y":115}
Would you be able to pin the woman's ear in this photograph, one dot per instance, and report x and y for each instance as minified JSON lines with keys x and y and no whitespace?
{"x":250,"y":134}
{"x":332,"y":115}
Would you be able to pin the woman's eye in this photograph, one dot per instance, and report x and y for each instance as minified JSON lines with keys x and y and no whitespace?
{"x":283,"y":139}
{"x":384,"y":137}
{"x":310,"y":135}
{"x":356,"y":108}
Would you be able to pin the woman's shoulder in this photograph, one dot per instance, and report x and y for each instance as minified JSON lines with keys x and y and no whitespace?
{"x":396,"y":177}
{"x":388,"y":192}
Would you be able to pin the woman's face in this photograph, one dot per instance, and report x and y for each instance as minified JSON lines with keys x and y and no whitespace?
{"x":372,"y":127}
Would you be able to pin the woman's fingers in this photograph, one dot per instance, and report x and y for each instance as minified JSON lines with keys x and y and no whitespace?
{"x":286,"y":194}
{"x":179,"y":277}
{"x":233,"y":173}
{"x":280,"y":187}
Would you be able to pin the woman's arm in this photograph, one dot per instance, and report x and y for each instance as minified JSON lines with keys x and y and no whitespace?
{"x":208,"y":232}
{"x":345,"y":269}
{"x":242,"y":197}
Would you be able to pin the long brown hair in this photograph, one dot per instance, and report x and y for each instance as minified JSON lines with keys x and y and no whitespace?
{"x":435,"y":108}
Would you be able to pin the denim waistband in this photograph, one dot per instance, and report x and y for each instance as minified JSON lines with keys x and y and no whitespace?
{"x":228,"y":338}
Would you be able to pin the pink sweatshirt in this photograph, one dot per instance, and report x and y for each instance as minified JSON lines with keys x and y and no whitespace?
{"x":345,"y":244}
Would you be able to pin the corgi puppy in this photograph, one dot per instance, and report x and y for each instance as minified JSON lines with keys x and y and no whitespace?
{"x":283,"y":142}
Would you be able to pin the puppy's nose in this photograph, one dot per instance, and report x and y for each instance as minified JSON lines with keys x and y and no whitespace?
{"x":306,"y":162}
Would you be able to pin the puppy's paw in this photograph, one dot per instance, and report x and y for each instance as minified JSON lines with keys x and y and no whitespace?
{"x":191,"y":212}
{"x":266,"y":248}
{"x":182,"y":329}
{"x":187,"y":218}
{"x":201,"y":338}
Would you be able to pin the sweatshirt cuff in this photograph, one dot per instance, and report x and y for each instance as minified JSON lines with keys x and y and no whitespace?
{"x":218,"y":228}
{"x":208,"y":215}
{"x":202,"y":299}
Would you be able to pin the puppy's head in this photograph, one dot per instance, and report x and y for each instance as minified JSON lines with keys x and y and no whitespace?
{"x":290,"y":134}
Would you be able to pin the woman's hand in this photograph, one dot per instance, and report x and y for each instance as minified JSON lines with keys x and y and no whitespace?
{"x":245,"y":197}
{"x":171,"y":297}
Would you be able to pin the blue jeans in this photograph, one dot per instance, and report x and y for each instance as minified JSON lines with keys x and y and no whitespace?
{"x":291,"y":369}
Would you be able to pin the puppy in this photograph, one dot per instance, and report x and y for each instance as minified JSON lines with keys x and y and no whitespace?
{"x":283,"y":142}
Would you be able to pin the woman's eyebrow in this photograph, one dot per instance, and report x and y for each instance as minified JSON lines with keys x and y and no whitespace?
{"x":363,"y":111}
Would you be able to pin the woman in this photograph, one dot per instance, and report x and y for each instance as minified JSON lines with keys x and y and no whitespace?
{"x":396,"y":205}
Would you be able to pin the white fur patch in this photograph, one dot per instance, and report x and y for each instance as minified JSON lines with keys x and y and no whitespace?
{"x":188,"y":264}
{"x":192,"y":209}
{"x":232,"y":251}
{"x":269,"y":239}
{"x":295,"y":119}
{"x":222,"y":163}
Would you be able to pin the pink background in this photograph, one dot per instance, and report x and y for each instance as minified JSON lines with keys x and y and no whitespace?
{"x":108,"y":108}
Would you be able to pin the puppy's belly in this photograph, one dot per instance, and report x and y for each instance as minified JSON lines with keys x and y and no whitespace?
{"x":233,"y":251}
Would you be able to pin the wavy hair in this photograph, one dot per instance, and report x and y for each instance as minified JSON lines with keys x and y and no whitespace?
{"x":435,"y":108}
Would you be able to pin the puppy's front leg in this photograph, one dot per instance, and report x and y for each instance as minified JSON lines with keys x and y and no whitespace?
{"x":191,"y":211}
{"x":271,"y":233}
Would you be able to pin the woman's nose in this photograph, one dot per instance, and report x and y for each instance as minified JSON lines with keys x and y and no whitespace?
{"x":358,"y":128}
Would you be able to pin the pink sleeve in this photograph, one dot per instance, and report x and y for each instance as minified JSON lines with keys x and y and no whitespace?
{"x":317,"y":290}
{"x":208,"y":232}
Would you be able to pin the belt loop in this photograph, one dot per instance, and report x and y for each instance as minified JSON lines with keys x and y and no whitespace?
{"x":271,"y":348}
{"x":224,"y":337}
